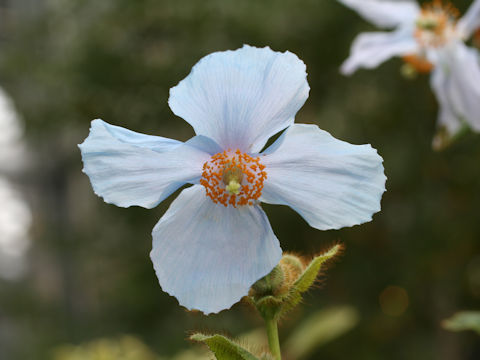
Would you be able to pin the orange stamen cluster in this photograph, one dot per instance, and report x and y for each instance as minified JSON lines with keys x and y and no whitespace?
{"x":243,"y":168}
{"x":419,"y":63}
{"x":436,"y":23}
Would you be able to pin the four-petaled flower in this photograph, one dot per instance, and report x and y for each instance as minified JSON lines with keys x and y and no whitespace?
{"x":215,"y":240}
{"x":430,"y":38}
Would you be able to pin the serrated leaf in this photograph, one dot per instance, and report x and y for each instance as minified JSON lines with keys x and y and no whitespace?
{"x":463,"y":320}
{"x":223,"y":348}
{"x":307,"y":279}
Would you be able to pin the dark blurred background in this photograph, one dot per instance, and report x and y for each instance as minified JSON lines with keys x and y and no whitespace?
{"x":74,"y":269}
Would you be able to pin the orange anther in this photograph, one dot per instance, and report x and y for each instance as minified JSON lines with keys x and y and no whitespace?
{"x":436,"y":23}
{"x":216,"y":173}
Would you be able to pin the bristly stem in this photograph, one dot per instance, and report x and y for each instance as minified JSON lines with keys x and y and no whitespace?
{"x":273,"y":342}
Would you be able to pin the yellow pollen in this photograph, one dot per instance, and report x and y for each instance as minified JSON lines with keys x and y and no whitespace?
{"x":436,"y":23}
{"x":233,"y":178}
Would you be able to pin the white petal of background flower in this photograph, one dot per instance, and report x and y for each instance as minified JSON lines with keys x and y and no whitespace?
{"x":470,"y":21}
{"x":373,"y":48}
{"x":125,"y":168}
{"x":461,"y":84}
{"x":439,"y":82}
{"x":385,"y":14}
{"x":240,"y":98}
{"x":15,"y":220}
{"x":208,"y":255}
{"x":15,"y":213}
{"x":330,"y":183}
{"x":12,"y":147}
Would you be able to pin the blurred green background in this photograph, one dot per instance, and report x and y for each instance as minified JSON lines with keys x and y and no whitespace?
{"x":75,"y":269}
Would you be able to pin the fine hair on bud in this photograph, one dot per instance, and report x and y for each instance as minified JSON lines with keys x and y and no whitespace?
{"x":270,"y":284}
{"x":331,"y":253}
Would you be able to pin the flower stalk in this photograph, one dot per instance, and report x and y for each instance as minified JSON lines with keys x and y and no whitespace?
{"x":273,"y":341}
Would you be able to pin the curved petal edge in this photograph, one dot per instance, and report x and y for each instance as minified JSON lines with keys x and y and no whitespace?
{"x":241,"y":98}
{"x":330,"y":183}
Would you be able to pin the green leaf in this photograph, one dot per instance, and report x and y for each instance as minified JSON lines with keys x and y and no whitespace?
{"x":318,"y":329}
{"x":223,"y":348}
{"x":463,"y":320}
{"x":307,"y":279}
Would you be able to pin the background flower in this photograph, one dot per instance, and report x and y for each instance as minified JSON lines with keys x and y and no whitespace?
{"x":429,"y":38}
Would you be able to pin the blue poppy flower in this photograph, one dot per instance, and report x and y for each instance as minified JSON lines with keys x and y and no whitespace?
{"x":215,"y":240}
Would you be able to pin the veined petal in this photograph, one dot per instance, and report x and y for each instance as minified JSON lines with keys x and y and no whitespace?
{"x":470,"y":21}
{"x":373,"y":48}
{"x":330,"y":183}
{"x":208,"y":255}
{"x":127,"y":168}
{"x":384,"y":13}
{"x":240,"y":98}
{"x":459,"y":92}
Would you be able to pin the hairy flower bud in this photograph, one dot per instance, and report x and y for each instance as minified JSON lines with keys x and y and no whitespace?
{"x":280,"y":291}
{"x":269,"y":284}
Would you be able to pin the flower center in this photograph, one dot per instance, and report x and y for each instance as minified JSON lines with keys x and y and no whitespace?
{"x":436,"y":24}
{"x":233,"y":178}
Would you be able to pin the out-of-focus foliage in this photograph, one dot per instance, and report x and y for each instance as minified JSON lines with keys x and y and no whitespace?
{"x":318,"y":329}
{"x":66,"y":62}
{"x":463,"y":320}
{"x":124,"y":348}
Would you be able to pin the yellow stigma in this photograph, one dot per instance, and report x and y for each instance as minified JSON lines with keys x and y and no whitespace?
{"x":233,"y":187}
{"x":428,"y":23}
{"x":232,"y":178}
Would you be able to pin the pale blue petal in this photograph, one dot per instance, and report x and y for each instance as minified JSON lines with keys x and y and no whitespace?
{"x":208,"y":255}
{"x":456,"y":82}
{"x":330,"y":183}
{"x":384,"y":13}
{"x":373,"y":48}
{"x":127,"y":168}
{"x":241,"y":98}
{"x":470,"y":21}
{"x":156,"y":143}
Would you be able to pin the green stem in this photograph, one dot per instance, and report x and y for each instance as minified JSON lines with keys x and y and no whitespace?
{"x":272,"y":333}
